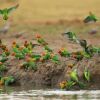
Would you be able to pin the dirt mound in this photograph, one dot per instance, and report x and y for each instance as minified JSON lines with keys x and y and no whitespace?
{"x":50,"y":74}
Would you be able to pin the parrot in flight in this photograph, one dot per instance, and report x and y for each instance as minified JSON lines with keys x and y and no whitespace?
{"x":5,"y":12}
{"x":90,"y":18}
{"x":72,"y":36}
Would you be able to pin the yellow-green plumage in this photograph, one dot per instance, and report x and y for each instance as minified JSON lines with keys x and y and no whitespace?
{"x":87,"y":74}
{"x":74,"y":75}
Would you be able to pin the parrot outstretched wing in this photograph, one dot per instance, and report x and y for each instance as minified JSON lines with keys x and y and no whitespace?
{"x":72,"y":36}
{"x":93,"y":17}
{"x":90,"y":18}
{"x":13,"y":8}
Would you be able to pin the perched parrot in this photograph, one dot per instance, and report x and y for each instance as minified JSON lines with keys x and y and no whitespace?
{"x":47,"y":56}
{"x":72,"y":36}
{"x":74,"y":77}
{"x":87,"y":48}
{"x":96,"y":49}
{"x":42,"y":41}
{"x":87,"y":74}
{"x":70,"y":84}
{"x":2,"y":68}
{"x":83,"y":43}
{"x":48,"y":49}
{"x":90,"y":18}
{"x":7,"y":80}
{"x":3,"y":59}
{"x":55,"y":58}
{"x":5,"y":12}
{"x":30,"y":45}
{"x":19,"y":56}
{"x":36,"y":56}
{"x":25,"y":50}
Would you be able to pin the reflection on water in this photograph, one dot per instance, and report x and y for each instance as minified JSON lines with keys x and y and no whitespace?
{"x":48,"y":94}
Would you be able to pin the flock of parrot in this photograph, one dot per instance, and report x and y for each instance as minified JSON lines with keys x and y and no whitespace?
{"x":71,"y":35}
{"x":89,"y":49}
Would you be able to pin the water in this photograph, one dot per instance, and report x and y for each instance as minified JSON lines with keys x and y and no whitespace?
{"x":49,"y":94}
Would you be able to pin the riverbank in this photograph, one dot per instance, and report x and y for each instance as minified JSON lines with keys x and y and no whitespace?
{"x":51,"y":74}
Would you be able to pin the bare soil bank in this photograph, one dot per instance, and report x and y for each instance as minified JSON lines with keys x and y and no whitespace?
{"x":50,"y":74}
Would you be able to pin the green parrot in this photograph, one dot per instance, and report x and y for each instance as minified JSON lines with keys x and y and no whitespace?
{"x":70,"y":84}
{"x":42,"y":41}
{"x":87,"y":74}
{"x":19,"y":55}
{"x":74,"y":77}
{"x":72,"y":36}
{"x":87,"y":48}
{"x":55,"y":58}
{"x":83,"y":43}
{"x":25,"y":50}
{"x":48,"y":49}
{"x":90,"y":50}
{"x":8,"y":80}
{"x":90,"y":18}
{"x":16,"y":50}
{"x":5,"y":12}
{"x":47,"y":56}
{"x":3,"y":68}
{"x":3,"y":59}
{"x":96,"y":49}
{"x":36,"y":56}
{"x":32,"y":65}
